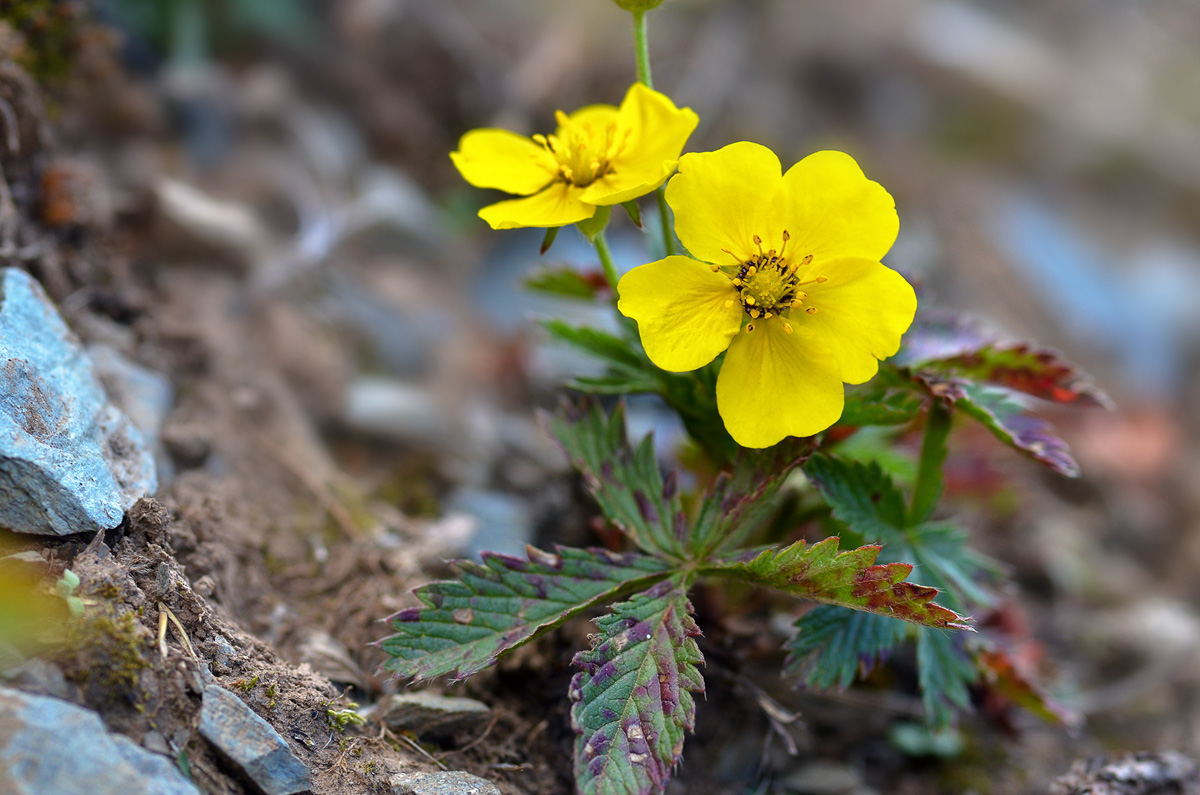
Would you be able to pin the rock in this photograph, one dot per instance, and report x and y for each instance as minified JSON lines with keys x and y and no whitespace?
{"x":826,"y":778}
{"x":428,"y":713}
{"x":1131,"y":774}
{"x":70,"y":461}
{"x":36,"y":733}
{"x":441,"y":783}
{"x":504,"y":522}
{"x":251,"y":744}
{"x":145,"y":395}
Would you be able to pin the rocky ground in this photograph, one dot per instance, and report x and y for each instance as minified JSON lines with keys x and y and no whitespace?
{"x":332,"y":374}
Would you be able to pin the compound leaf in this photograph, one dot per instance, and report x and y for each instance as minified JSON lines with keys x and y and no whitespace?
{"x":945,"y":671}
{"x":849,"y":579}
{"x":874,"y":407}
{"x":502,"y":603}
{"x":626,"y":483}
{"x":862,"y":495}
{"x":832,"y":644}
{"x":632,"y":699}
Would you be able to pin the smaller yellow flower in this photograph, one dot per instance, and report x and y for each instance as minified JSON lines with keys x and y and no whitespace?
{"x":794,"y":288}
{"x":599,"y":155}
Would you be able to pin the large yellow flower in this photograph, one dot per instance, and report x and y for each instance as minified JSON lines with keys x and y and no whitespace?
{"x":599,"y":155}
{"x":794,"y":289}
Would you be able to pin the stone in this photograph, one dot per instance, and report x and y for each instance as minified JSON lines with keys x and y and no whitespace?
{"x":426,"y":713}
{"x":53,"y":747}
{"x":250,"y":744}
{"x":70,"y":460}
{"x":448,"y":782}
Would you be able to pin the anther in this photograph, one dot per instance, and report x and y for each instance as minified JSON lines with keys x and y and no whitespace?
{"x":749,"y":327}
{"x":753,"y":269}
{"x":786,"y":238}
{"x":715,"y":268}
{"x":754,"y":313}
{"x":738,"y":282}
{"x":787,"y":327}
{"x":807,"y":259}
{"x":822,"y":279}
{"x":767,"y":316}
{"x":812,"y":310}
{"x":728,"y":303}
{"x":758,"y":242}
{"x":750,"y":300}
{"x":561,"y":118}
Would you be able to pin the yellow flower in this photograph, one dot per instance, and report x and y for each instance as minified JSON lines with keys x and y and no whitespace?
{"x":599,"y":155}
{"x":795,"y":290}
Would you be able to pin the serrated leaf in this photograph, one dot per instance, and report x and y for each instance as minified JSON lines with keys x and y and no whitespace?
{"x":849,"y":579}
{"x":862,"y":495}
{"x":945,"y":671}
{"x":632,"y":700}
{"x":1008,"y":422}
{"x":955,"y":345}
{"x":833,"y":644}
{"x":1003,"y":677}
{"x":615,"y":383}
{"x":741,"y":498}
{"x":566,"y":282}
{"x":626,"y":483}
{"x":866,"y":499}
{"x":502,"y":603}
{"x":893,"y":407}
{"x":604,"y":346}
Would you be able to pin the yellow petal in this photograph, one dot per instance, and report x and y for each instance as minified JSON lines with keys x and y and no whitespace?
{"x":557,"y":205}
{"x":862,"y":311}
{"x":650,"y":134}
{"x":722,"y":199}
{"x":832,"y":210}
{"x":680,"y":308}
{"x":774,"y":385}
{"x":593,"y":122}
{"x":491,"y":158}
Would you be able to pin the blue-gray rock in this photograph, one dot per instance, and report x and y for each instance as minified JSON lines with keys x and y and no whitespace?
{"x":251,"y":744}
{"x":53,"y":747}
{"x":427,"y":713}
{"x":449,"y":782}
{"x":70,"y":461}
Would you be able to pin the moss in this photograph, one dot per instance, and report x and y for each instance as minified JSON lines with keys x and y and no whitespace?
{"x":107,"y":653}
{"x":50,"y":36}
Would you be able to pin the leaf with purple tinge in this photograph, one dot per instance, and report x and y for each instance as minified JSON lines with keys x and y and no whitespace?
{"x":632,"y":699}
{"x":849,"y":579}
{"x":468,"y":623}
{"x":1002,"y":676}
{"x":627,"y":483}
{"x":955,"y":345}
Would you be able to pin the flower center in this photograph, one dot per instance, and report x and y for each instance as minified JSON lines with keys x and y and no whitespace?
{"x":768,"y":284}
{"x":583,"y":152}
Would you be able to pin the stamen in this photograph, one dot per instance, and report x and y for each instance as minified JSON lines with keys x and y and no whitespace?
{"x":715,"y":268}
{"x":749,"y":328}
{"x":758,"y":242}
{"x":750,"y":300}
{"x":736,"y":258}
{"x":812,"y":310}
{"x":729,"y":303}
{"x":786,"y":238}
{"x":767,"y":316}
{"x":754,"y":313}
{"x":562,"y":119}
{"x":821,"y":279}
{"x":787,"y":327}
{"x":738,"y":282}
{"x":807,"y":259}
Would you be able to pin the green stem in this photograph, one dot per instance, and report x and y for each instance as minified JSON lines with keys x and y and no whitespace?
{"x":664,"y":216}
{"x":933,"y":456}
{"x":642,"y":48}
{"x":606,"y":261}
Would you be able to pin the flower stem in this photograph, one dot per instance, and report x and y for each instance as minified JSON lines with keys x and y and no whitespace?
{"x":642,"y":48}
{"x":929,"y":468}
{"x":606,"y":262}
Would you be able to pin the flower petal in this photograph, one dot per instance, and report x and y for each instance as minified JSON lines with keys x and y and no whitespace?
{"x":593,"y":122}
{"x":832,"y":210}
{"x":491,"y":158}
{"x":774,"y":384}
{"x":679,"y":306}
{"x":557,"y":205}
{"x":862,"y":311}
{"x":650,"y":134}
{"x":722,"y":199}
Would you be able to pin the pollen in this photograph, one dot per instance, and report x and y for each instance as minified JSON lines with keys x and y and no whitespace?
{"x":767,"y":283}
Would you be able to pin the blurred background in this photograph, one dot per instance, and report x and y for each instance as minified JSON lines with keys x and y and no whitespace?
{"x":1045,"y":160}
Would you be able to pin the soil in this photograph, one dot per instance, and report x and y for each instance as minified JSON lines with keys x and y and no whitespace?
{"x":284,"y":537}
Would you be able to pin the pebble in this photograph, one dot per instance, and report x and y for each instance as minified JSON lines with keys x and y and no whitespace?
{"x":251,"y":744}
{"x":442,"y":783}
{"x":53,"y":747}
{"x":70,"y":460}
{"x":428,"y":713}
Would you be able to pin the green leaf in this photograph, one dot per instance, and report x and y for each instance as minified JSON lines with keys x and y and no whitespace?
{"x":741,"y":499}
{"x":634,"y":212}
{"x":604,"y":346}
{"x":945,"y":671}
{"x":849,"y":579}
{"x":876,"y":407}
{"x":548,"y":240}
{"x":632,"y":700}
{"x":626,"y":483}
{"x":614,"y":383}
{"x":493,"y":607}
{"x":862,"y":495}
{"x":832,"y":644}
{"x":564,"y":281}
